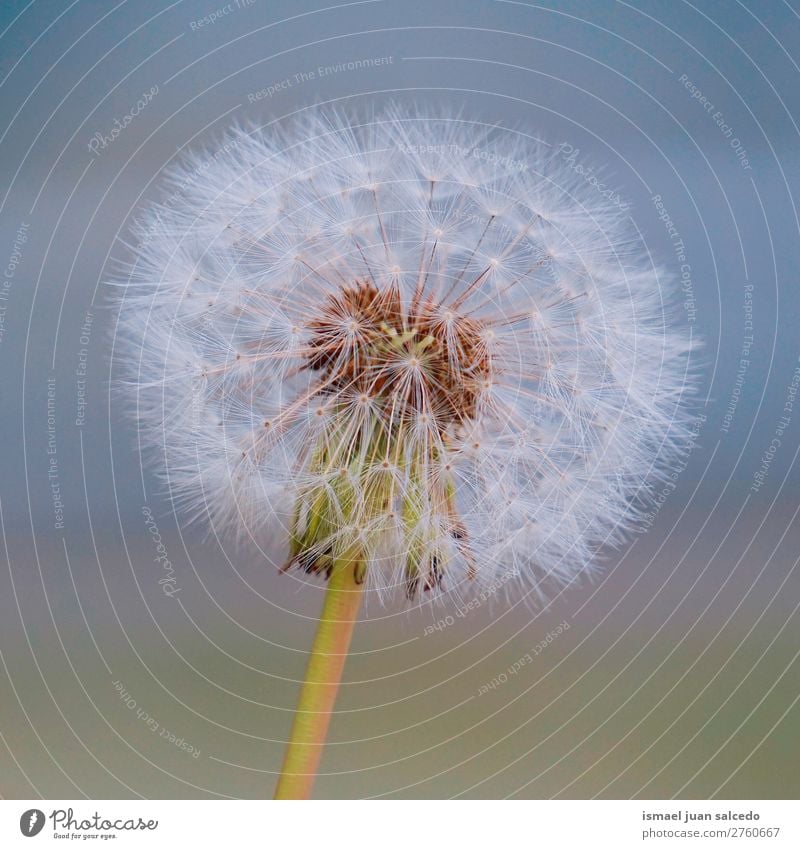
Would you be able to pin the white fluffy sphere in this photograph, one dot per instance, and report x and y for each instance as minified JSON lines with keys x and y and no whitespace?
{"x":415,"y":343}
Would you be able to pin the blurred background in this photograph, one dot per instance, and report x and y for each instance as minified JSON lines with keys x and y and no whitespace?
{"x":673,"y":674}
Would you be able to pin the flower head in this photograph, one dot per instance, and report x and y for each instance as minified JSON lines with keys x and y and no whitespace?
{"x":435,"y":353}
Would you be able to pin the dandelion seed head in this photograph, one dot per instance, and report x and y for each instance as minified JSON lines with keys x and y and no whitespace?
{"x":386,"y":347}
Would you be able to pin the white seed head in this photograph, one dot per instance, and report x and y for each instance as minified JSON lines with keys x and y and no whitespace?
{"x":390,"y":346}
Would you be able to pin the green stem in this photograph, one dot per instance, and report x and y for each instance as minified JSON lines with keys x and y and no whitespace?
{"x":323,"y":674}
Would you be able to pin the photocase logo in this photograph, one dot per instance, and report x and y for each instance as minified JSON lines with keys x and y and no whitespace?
{"x":31,"y":822}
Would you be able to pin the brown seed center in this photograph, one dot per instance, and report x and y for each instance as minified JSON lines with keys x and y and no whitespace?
{"x":415,"y":358}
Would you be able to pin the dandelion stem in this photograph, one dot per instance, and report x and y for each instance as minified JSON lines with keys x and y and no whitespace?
{"x":323,"y":674}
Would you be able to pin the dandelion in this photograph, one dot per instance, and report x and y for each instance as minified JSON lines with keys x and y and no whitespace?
{"x":428,"y":356}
